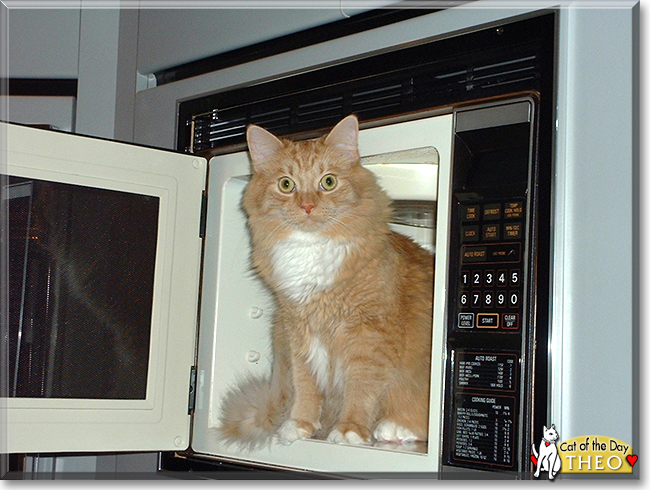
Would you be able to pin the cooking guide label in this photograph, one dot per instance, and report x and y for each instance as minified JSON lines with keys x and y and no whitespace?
{"x":484,"y":429}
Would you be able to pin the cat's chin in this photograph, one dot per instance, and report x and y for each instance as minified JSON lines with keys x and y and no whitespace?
{"x":311,"y":225}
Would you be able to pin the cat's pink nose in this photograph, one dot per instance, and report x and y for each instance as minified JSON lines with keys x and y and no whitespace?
{"x":308,"y":207}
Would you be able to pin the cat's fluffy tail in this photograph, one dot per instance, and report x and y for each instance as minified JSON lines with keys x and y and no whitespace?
{"x":252,"y":412}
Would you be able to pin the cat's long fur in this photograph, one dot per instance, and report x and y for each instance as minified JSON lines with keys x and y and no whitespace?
{"x":352,"y":328}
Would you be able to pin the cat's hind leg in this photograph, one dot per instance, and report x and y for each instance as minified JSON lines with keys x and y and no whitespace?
{"x":554,"y":466}
{"x":391,"y":431}
{"x":366,"y":375}
{"x":406,"y":413}
{"x":350,"y":433}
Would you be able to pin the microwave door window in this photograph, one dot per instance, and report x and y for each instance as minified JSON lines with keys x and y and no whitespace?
{"x":81,"y":272}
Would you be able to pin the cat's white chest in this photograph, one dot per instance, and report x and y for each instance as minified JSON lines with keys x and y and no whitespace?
{"x":306,"y":263}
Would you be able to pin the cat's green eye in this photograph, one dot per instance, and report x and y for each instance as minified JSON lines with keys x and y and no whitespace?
{"x":328,"y":182}
{"x":286,"y":185}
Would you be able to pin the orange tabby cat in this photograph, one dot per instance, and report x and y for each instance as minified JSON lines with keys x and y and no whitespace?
{"x":352,"y":327}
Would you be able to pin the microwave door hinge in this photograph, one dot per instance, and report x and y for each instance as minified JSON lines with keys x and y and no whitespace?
{"x":204,"y":214}
{"x":192,"y":395}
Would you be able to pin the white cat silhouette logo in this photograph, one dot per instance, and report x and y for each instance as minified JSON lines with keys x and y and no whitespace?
{"x":547,"y":459}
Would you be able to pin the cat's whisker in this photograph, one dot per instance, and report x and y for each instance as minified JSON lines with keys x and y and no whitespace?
{"x":358,"y":218}
{"x":282,"y":224}
{"x":346,"y":226}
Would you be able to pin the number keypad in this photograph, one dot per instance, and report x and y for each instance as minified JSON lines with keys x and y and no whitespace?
{"x":491,"y":277}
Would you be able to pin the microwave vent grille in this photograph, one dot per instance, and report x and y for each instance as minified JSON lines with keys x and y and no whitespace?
{"x":392,"y":83}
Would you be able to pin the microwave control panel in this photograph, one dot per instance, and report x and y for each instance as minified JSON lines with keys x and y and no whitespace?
{"x":488,"y":304}
{"x":490,"y":277}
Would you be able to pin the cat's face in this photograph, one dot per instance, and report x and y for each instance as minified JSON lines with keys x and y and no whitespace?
{"x":313,"y":186}
{"x":551,"y":434}
{"x":307,"y":186}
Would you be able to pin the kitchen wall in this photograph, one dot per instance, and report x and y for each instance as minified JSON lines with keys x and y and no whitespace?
{"x":113,"y":52}
{"x":41,"y":44}
{"x":74,"y":44}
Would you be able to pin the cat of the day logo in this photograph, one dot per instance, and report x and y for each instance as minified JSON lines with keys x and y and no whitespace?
{"x":584,"y":454}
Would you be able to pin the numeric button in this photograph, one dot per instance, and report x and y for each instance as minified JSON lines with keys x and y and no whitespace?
{"x":465,"y":278}
{"x":515,"y":277}
{"x":513,"y":299}
{"x":501,"y":299}
{"x":502,"y":277}
{"x":488,"y":300}
{"x":463,"y":299}
{"x":488,"y":278}
{"x":476,"y":278}
{"x":476,"y":299}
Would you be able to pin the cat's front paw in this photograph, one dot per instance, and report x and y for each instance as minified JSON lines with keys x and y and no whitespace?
{"x":350,"y":434}
{"x":389,"y":431}
{"x":293,"y":430}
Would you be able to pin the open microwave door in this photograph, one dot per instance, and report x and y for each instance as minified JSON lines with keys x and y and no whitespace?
{"x":103,"y":271}
{"x":412,"y":162}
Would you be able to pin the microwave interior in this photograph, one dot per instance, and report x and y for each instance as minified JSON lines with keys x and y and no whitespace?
{"x":410,"y":161}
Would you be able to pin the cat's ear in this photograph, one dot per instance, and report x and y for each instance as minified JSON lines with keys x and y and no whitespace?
{"x":261,"y":144}
{"x":345,"y":136}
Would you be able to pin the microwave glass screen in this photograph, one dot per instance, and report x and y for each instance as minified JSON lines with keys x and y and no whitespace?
{"x":81,"y":272}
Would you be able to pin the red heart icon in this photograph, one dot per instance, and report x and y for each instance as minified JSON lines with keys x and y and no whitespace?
{"x":632,"y":459}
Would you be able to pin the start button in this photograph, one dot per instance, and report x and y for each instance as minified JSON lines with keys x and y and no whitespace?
{"x":487,"y":320}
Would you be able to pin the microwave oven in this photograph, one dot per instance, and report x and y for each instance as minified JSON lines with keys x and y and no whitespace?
{"x":132,"y":307}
